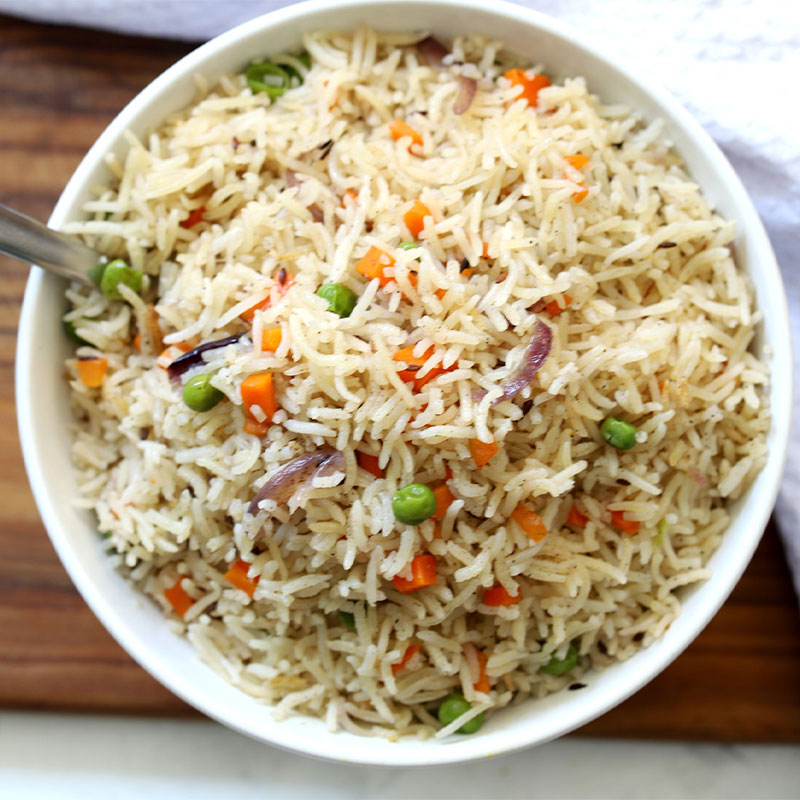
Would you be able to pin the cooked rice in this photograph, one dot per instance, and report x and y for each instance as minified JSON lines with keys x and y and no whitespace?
{"x":657,"y":335}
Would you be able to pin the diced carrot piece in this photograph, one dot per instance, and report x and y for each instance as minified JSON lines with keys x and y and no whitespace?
{"x":177,"y":597}
{"x":271,"y":339}
{"x":574,"y":517}
{"x":627,"y":526}
{"x":437,"y":530}
{"x":373,"y":263}
{"x":406,"y":354}
{"x":482,"y":684}
{"x":448,"y":473}
{"x":530,"y":522}
{"x":91,"y":371}
{"x":255,"y":428}
{"x":137,"y":343}
{"x":195,"y":216}
{"x":248,"y":315}
{"x":399,"y":128}
{"x":369,"y":463}
{"x":429,"y":376}
{"x":444,"y":497}
{"x":482,"y":452}
{"x":409,"y":374}
{"x":498,"y":596}
{"x":415,"y":217}
{"x":410,"y":652}
{"x":581,"y":194}
{"x":578,"y":161}
{"x":237,"y":575}
{"x":423,"y":573}
{"x":283,"y":282}
{"x":258,"y":390}
{"x":553,"y":309}
{"x":530,"y":85}
{"x":350,"y":196}
{"x":485,"y":250}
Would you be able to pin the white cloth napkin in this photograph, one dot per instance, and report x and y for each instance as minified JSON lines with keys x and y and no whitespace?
{"x":734,"y":63}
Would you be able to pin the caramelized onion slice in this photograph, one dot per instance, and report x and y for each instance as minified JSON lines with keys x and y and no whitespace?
{"x":432,"y":51}
{"x":294,"y":482}
{"x":467,"y":87}
{"x":534,"y":355}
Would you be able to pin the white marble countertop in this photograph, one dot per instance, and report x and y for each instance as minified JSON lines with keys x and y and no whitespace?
{"x":114,"y":758}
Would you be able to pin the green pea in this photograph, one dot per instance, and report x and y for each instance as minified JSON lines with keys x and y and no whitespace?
{"x":341,"y":300}
{"x":267,"y":77}
{"x":453,"y":706}
{"x":413,"y":504}
{"x":96,"y":273}
{"x":72,"y":334}
{"x":105,"y":535}
{"x":410,"y":246}
{"x":200,"y":395}
{"x":118,"y":272}
{"x":618,"y":433}
{"x":558,"y":666}
{"x":348,"y":619}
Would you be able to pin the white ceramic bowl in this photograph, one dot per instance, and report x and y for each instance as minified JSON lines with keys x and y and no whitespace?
{"x":44,"y":417}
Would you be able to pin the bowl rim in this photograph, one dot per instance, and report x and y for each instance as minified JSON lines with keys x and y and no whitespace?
{"x":651,"y":664}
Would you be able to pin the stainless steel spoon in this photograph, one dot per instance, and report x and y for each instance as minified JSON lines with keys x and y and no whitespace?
{"x":28,"y":240}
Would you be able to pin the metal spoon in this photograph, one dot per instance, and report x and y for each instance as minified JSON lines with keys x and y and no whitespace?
{"x":28,"y":240}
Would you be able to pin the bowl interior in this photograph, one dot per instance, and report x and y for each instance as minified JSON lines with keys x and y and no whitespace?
{"x":45,"y":424}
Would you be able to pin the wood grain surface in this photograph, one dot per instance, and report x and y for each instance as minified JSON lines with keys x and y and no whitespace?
{"x":59,"y":87}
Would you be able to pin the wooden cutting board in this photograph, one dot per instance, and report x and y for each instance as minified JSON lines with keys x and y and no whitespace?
{"x":740,"y":680}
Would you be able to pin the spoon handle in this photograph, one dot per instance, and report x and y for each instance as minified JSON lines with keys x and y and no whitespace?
{"x":25,"y":238}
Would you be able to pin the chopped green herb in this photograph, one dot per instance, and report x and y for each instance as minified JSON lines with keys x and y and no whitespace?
{"x":348,"y":619}
{"x":267,"y":77}
{"x":661,"y":529}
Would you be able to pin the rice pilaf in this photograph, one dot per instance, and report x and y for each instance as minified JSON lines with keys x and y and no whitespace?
{"x":534,"y":229}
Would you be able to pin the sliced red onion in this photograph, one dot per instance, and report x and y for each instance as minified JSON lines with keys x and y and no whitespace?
{"x":194,"y":357}
{"x":533,"y":357}
{"x":432,"y":51}
{"x":466,"y":93}
{"x":316,"y":213}
{"x":291,"y":178}
{"x":296,"y":480}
